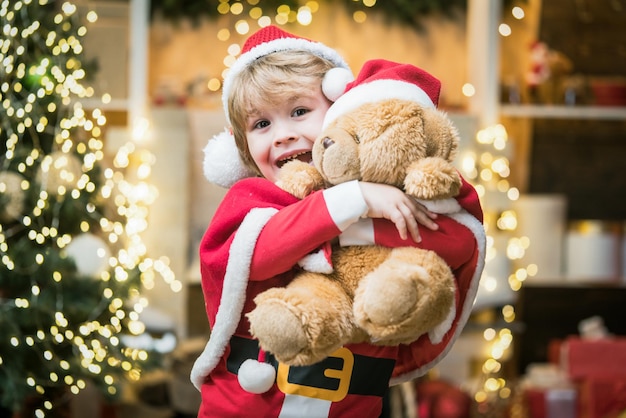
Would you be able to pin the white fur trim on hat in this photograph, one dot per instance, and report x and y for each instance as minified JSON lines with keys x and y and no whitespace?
{"x":233,"y":293}
{"x":376,"y":91}
{"x":280,"y":44}
{"x":222,"y":164}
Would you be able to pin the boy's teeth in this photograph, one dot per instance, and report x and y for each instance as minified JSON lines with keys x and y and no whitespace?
{"x":293,"y":157}
{"x":290,"y":158}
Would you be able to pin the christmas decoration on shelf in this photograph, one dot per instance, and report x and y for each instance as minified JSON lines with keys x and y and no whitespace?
{"x":549,"y":77}
{"x":73,"y":263}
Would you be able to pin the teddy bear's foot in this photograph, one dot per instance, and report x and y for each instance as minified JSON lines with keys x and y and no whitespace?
{"x":406,"y":296}
{"x":304,"y":323}
{"x":380,"y":306}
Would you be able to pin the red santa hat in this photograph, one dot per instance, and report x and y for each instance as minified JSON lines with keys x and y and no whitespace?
{"x":381,"y":79}
{"x":222,"y":164}
{"x":272,"y":39}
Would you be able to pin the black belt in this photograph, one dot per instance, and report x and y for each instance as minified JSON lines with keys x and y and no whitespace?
{"x":370,"y":375}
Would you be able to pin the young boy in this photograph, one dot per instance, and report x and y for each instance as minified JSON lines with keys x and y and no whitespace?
{"x":274,"y":100}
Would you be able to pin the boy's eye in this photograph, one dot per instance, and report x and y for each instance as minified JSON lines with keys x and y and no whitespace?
{"x":300,"y":112}
{"x":261,"y":124}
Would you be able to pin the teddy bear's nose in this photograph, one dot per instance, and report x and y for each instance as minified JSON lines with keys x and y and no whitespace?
{"x":328,"y":142}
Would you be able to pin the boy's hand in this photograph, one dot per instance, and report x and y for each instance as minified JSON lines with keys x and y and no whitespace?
{"x":391,"y":203}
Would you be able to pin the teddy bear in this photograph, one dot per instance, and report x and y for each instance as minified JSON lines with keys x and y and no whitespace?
{"x":385,"y":296}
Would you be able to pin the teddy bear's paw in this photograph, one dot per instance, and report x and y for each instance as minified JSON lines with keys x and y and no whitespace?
{"x":278,"y":329}
{"x":292,"y":335}
{"x":386,"y":299}
{"x":432,"y":178}
{"x":299,"y":178}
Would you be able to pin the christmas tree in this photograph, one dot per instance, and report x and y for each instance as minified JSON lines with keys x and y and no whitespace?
{"x":73,"y":263}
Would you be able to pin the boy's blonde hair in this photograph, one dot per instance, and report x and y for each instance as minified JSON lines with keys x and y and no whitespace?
{"x":268,"y":81}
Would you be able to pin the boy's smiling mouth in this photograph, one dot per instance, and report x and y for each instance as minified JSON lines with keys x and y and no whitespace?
{"x":305,"y":156}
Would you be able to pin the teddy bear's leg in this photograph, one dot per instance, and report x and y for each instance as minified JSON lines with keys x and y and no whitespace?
{"x":304,"y":322}
{"x":405,"y":296}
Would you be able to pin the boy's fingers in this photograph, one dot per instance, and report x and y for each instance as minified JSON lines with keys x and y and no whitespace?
{"x":415,"y":234}
{"x":425,"y":217}
{"x":413,"y":227}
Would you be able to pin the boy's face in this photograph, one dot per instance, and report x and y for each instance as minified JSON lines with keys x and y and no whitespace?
{"x":277,"y":134}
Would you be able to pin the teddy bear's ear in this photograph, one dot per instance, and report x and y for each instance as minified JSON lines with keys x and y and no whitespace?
{"x":442,"y":136}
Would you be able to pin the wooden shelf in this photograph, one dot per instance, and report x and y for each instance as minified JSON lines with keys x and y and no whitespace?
{"x":564,"y":112}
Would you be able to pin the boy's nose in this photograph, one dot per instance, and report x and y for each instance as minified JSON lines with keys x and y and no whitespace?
{"x":284,"y":134}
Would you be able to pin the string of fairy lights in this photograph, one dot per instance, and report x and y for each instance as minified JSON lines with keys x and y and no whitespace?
{"x":487,"y":166}
{"x":489,"y":170}
{"x":70,"y":171}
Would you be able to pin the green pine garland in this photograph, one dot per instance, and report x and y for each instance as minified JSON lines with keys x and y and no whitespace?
{"x":409,"y":12}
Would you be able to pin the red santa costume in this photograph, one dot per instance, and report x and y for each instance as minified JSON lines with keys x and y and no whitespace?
{"x":237,"y":264}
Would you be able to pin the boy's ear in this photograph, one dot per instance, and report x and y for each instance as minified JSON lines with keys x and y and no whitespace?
{"x":222,"y":164}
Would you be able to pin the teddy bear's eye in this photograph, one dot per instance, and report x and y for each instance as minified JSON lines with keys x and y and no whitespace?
{"x":357,"y":139}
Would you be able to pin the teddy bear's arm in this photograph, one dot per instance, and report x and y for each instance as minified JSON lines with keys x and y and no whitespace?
{"x":300,"y":179}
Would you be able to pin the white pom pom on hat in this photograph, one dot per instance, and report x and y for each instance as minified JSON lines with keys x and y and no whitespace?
{"x":335,"y":82}
{"x":222,"y":163}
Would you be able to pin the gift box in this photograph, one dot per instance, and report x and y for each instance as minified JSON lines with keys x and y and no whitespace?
{"x":548,"y":393}
{"x":582,"y":358}
{"x":602,"y":397}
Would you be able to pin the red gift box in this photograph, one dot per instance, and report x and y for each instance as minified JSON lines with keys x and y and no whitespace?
{"x":551,"y":403}
{"x":602,"y":397}
{"x":581,"y":358}
{"x":535,"y":402}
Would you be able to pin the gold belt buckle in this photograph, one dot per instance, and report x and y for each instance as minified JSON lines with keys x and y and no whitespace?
{"x":336,"y":395}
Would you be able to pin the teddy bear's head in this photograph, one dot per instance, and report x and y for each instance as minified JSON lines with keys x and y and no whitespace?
{"x":388,"y":141}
